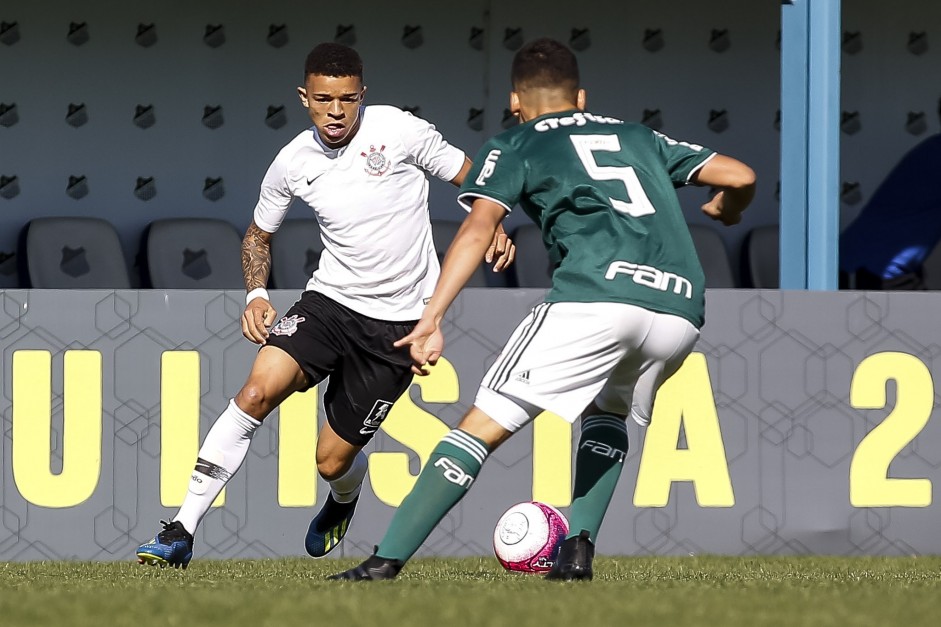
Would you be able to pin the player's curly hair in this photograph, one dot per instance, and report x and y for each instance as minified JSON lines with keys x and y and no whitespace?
{"x":331,"y":59}
{"x":544,"y":63}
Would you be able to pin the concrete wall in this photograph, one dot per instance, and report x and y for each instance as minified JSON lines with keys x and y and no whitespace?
{"x":804,"y":423}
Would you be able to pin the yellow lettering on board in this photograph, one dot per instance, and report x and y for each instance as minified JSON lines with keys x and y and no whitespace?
{"x":552,"y":460}
{"x":685,"y":399}
{"x":297,"y":446}
{"x":179,"y":425}
{"x":870,"y":485}
{"x":32,"y":427}
{"x":415,"y":428}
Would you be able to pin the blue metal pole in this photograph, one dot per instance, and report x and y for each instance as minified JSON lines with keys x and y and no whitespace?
{"x":823,"y":154}
{"x":795,"y":21}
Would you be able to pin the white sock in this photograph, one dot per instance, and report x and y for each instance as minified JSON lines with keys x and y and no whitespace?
{"x":347,"y":487}
{"x":220,"y":456}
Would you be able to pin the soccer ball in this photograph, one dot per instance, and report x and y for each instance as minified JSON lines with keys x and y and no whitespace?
{"x":528,"y":536}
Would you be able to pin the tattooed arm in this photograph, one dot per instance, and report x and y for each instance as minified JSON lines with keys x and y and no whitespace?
{"x":256,"y":257}
{"x":256,"y":265}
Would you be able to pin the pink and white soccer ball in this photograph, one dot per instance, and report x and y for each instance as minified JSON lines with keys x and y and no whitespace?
{"x":528,"y":536}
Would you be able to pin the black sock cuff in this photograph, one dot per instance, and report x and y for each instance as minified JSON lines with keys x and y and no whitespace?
{"x":604,"y":426}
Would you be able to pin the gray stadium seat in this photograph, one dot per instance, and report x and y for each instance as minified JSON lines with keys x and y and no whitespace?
{"x":532,"y":267}
{"x":295,"y":253}
{"x":72,"y":253}
{"x":443,"y":232}
{"x":712,"y":255}
{"x":761,"y":250}
{"x":9,"y":274}
{"x":193,"y":253}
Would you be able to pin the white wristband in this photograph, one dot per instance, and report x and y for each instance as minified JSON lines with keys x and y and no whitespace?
{"x":258,"y":292}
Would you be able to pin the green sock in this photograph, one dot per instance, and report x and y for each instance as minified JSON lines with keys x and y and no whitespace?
{"x":445,"y":479}
{"x":598,"y":463}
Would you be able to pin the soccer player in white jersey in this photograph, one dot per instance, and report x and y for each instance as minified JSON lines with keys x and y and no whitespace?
{"x":362,"y":169}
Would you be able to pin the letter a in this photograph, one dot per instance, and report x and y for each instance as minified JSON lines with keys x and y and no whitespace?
{"x":685,"y":399}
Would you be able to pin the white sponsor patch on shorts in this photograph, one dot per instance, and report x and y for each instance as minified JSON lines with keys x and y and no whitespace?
{"x":376,"y":415}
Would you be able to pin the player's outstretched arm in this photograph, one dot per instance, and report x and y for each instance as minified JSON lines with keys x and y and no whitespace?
{"x":736,"y":184}
{"x":470,"y":244}
{"x":502,"y":251}
{"x":256,"y":265}
{"x":468,"y":248}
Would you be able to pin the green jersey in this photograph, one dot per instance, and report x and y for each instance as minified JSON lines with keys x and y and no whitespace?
{"x":603,"y":194}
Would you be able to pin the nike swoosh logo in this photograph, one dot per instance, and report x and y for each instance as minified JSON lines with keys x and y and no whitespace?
{"x":310,"y":181}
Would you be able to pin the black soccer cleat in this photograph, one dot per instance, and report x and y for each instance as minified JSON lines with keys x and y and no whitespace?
{"x":574,"y":560}
{"x":373,"y":569}
{"x":329,"y":526}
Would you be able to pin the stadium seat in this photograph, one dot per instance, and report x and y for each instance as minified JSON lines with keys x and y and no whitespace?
{"x":295,"y":253}
{"x":760,"y":257}
{"x":532,"y":267}
{"x":192,"y":253}
{"x":9,"y":275}
{"x":443,"y":232}
{"x":712,"y":255}
{"x":71,"y":253}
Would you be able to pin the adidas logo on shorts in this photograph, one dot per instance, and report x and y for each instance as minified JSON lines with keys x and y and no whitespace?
{"x":522,"y":377}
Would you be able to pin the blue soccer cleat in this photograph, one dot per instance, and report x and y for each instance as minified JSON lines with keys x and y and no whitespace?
{"x":329,"y":526}
{"x":171,"y":547}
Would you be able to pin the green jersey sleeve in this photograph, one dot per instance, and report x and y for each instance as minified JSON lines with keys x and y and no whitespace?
{"x":498,"y":174}
{"x":682,"y":159}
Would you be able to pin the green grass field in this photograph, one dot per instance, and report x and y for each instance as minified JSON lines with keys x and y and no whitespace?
{"x":714,"y":591}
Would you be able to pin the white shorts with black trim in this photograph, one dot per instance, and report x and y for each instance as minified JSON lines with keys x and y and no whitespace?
{"x":563,"y":356}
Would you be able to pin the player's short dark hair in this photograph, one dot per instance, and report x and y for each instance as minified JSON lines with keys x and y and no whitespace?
{"x":545,"y":63}
{"x":331,"y":59}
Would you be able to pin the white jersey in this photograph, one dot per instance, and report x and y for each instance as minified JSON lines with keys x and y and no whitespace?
{"x":370,"y":198}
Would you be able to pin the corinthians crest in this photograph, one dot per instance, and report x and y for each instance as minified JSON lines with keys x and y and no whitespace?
{"x":377,"y":163}
{"x":287,"y":326}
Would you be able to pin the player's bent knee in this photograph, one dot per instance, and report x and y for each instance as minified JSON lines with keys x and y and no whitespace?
{"x":255,"y":401}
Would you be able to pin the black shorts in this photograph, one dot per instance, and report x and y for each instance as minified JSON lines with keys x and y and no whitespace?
{"x":367,"y":374}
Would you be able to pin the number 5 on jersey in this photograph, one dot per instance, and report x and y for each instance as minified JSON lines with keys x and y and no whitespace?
{"x":637,"y":203}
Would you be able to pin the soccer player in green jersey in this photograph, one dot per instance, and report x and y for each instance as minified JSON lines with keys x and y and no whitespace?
{"x":624,"y":310}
